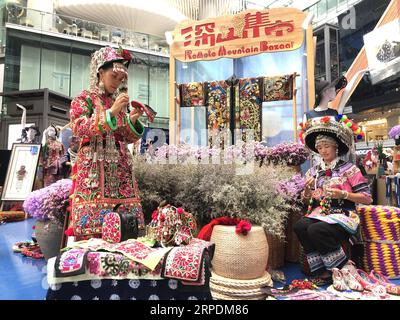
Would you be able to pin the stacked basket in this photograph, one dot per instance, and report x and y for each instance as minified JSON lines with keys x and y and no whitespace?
{"x":380,"y":226}
{"x":239,"y":263}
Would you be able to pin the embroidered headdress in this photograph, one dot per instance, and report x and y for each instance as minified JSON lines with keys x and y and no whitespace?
{"x":343,"y":130}
{"x":120,"y":59}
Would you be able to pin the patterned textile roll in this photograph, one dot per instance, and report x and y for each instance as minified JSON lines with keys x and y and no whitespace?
{"x":380,"y":227}
{"x":278,"y":88}
{"x":218,"y":111}
{"x":9,"y":216}
{"x":248,"y":107}
{"x":192,"y":94}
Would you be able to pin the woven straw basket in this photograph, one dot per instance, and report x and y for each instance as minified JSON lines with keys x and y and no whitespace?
{"x":380,"y":226}
{"x":239,"y":256}
{"x":276,"y":252}
{"x":292,"y":245}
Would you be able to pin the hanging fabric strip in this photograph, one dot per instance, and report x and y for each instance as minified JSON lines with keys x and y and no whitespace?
{"x":278,"y":88}
{"x":388,"y":190}
{"x":248,"y":115}
{"x":218,"y":112}
{"x":192,"y":94}
{"x":397,"y":188}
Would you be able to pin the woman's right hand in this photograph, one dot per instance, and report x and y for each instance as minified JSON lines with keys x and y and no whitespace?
{"x":120,"y":103}
{"x":307,"y":186}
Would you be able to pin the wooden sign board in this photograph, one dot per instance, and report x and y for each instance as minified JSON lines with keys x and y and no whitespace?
{"x":247,"y":33}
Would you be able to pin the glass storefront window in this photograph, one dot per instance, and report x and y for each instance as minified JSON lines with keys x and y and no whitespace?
{"x":138,"y":83}
{"x":80,"y":69}
{"x":55,"y":71}
{"x":30,"y":68}
{"x":35,"y":61}
{"x":159,"y":91}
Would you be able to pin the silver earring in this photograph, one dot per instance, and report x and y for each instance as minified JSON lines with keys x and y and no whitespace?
{"x":101,"y":87}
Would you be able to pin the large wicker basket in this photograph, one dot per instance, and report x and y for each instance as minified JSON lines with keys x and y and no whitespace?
{"x":292,"y":245}
{"x":276,"y":255}
{"x":238,"y":256}
{"x":380,"y":226}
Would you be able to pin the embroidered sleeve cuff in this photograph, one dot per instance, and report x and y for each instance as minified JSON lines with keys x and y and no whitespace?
{"x":111,"y":121}
{"x":137,"y":129}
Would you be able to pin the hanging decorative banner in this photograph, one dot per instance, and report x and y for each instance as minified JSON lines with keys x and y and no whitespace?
{"x":278,"y":88}
{"x":218,"y":111}
{"x":247,"y":33}
{"x":192,"y":94}
{"x":248,"y":107}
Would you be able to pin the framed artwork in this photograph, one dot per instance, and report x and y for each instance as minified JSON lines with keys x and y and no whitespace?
{"x":21,"y":171}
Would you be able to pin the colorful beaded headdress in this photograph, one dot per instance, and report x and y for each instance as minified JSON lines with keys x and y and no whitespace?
{"x":342,"y":129}
{"x":107,"y":55}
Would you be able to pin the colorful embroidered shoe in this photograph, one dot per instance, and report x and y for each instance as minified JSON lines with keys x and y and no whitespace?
{"x":391,"y":288}
{"x":19,"y":246}
{"x":351,"y":281}
{"x":33,"y":252}
{"x":369,"y":283}
{"x":351,"y":266}
{"x":338,"y":280}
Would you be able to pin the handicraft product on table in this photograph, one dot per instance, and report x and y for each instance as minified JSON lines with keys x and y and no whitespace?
{"x":132,"y":259}
{"x":248,"y":108}
{"x":171,"y":226}
{"x":119,"y":226}
{"x":192,"y":94}
{"x":218,"y":110}
{"x":278,"y":88}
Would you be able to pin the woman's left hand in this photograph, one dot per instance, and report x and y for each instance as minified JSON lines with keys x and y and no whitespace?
{"x":135,"y":114}
{"x":334,"y":193}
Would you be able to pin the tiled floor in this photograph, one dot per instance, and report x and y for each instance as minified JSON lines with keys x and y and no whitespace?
{"x":23,"y":278}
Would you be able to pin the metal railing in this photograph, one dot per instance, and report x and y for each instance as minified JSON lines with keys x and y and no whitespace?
{"x":97,"y":32}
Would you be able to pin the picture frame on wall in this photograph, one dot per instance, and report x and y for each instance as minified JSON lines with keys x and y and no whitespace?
{"x":21,"y":171}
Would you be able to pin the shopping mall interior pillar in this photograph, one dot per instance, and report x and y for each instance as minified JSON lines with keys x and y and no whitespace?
{"x":393,"y":121}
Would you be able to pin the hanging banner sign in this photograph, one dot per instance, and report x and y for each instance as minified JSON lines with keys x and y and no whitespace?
{"x":247,"y":33}
{"x":382,"y":46}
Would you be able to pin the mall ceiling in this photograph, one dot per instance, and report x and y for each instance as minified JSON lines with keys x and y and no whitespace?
{"x":150,"y":17}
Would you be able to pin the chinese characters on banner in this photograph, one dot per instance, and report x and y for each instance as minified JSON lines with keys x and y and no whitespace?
{"x":248,"y":33}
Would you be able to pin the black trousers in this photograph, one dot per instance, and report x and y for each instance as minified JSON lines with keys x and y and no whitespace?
{"x":318,"y":237}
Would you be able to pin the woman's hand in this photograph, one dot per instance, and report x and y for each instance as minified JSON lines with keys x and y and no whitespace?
{"x":135,"y":114}
{"x":335,"y":193}
{"x":120,"y":103}
{"x":307,"y":186}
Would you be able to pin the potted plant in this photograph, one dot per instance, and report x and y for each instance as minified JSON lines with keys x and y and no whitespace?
{"x":48,"y":206}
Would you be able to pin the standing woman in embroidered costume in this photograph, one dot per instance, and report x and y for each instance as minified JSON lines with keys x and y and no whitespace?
{"x":102,"y":175}
{"x":333,"y":188}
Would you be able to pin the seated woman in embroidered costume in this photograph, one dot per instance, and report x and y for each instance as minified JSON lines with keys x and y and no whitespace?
{"x":333,"y":187}
{"x":102,"y":174}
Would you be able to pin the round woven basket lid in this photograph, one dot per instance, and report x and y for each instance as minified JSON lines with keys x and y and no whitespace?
{"x":263,"y":281}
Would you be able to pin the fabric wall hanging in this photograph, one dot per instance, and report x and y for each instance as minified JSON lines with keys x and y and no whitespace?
{"x":248,"y":107}
{"x":218,"y":110}
{"x":278,"y":88}
{"x":192,"y":94}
